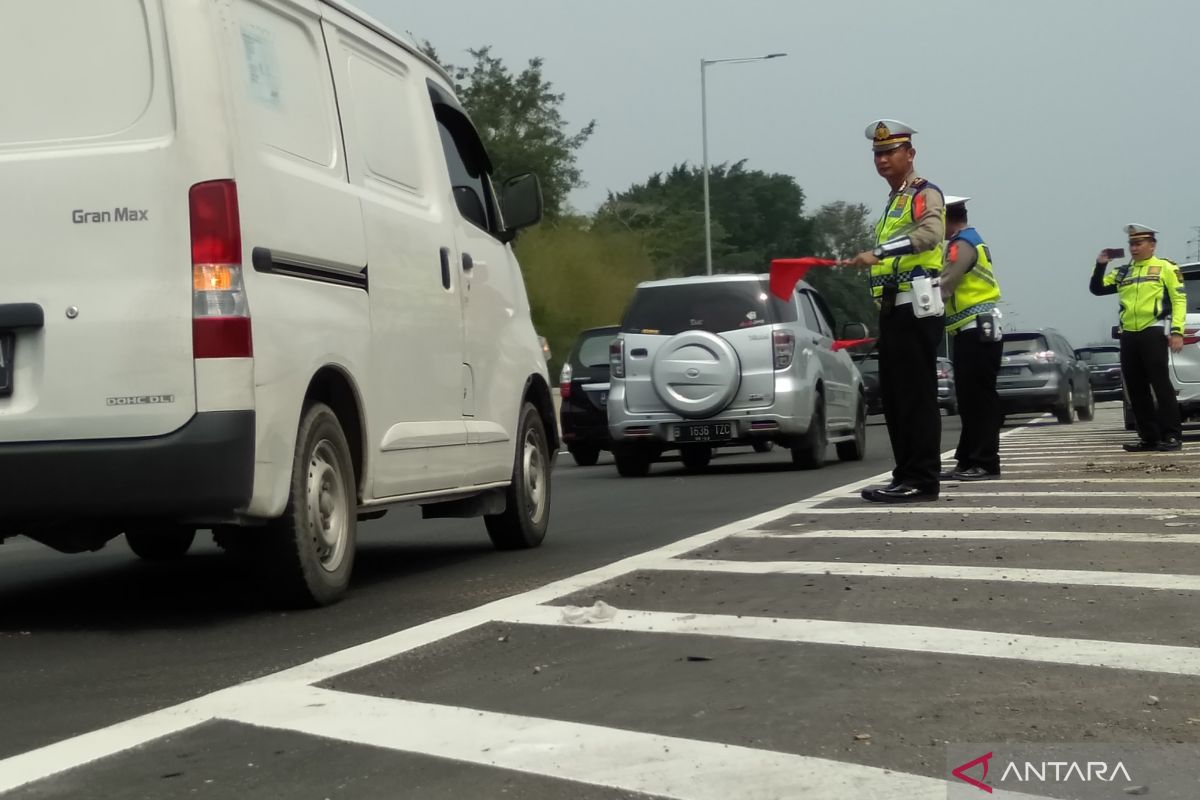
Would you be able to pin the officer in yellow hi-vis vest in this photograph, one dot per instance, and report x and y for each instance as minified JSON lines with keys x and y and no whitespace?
{"x":904,"y":266}
{"x":1152,"y":296}
{"x":972,"y":292}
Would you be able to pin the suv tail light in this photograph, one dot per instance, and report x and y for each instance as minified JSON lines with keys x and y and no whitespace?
{"x":785,"y":348}
{"x":943,"y":371}
{"x":220,"y":312}
{"x":564,"y":381}
{"x":1045,"y":355}
{"x":616,"y":358}
{"x":1191,"y":335}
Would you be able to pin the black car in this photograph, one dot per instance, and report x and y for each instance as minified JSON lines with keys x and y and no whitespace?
{"x":1104,"y":370}
{"x":584,"y":388}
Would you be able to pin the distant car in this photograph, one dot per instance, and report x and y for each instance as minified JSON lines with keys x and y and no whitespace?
{"x":718,"y":361}
{"x":584,"y":387}
{"x":868,"y":367}
{"x":1039,"y":372}
{"x":947,"y":396}
{"x":1104,"y":370}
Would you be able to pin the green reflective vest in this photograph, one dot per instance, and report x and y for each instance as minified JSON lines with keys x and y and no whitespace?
{"x":900,"y":218}
{"x":978,"y":291}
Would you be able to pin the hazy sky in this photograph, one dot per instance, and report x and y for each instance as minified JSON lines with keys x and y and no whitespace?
{"x":1063,"y":119}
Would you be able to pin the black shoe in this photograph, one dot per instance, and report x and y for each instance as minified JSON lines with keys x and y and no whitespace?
{"x":872,"y":489}
{"x":1141,"y":446}
{"x":949,"y":475}
{"x":1169,"y":445}
{"x":974,"y":474}
{"x":901,"y":494}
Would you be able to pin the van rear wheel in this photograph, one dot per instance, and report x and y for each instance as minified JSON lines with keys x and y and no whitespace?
{"x":160,"y":543}
{"x":523,"y":523}
{"x":309,"y":551}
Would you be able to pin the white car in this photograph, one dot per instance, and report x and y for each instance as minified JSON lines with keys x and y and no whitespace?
{"x":718,"y":361}
{"x":1185,"y":365}
{"x":257,"y":279}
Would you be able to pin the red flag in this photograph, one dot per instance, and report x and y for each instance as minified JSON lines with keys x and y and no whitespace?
{"x":842,"y":344}
{"x":787,"y":272}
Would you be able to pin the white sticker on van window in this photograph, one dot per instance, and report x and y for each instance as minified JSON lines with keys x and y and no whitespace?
{"x":262,"y":66}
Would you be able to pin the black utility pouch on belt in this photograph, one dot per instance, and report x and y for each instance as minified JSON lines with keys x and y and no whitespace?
{"x":989,"y":331}
{"x":887,"y":300}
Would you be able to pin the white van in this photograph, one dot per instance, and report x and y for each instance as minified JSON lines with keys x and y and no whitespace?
{"x":255,"y":279}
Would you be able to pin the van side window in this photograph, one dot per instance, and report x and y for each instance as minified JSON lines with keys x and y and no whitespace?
{"x":467,"y":164}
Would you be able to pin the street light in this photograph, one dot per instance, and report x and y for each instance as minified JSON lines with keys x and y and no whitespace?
{"x":704,"y":62}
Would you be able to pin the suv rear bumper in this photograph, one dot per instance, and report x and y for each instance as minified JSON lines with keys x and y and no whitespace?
{"x":205,"y":467}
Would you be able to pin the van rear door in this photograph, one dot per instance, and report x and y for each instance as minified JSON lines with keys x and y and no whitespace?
{"x":94,"y":225}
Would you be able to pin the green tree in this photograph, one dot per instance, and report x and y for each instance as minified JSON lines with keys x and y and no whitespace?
{"x":519,"y":117}
{"x":579,"y":276}
{"x":756,"y":216}
{"x":841,"y":230}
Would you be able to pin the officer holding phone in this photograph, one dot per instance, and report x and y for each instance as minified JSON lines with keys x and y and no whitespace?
{"x":1152,"y":298}
{"x":973,"y":320}
{"x":904,"y":266}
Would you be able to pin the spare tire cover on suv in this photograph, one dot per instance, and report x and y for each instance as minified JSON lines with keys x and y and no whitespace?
{"x":696,"y":374}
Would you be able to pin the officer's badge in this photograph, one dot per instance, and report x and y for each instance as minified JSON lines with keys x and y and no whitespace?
{"x":882,"y":132}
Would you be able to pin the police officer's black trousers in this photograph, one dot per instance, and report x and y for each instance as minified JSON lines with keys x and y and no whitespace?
{"x":1145,"y":365}
{"x":908,"y":386}
{"x":976,"y":365}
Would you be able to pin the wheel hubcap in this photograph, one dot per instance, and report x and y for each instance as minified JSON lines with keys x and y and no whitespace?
{"x":328,"y":509}
{"x":534,"y":474}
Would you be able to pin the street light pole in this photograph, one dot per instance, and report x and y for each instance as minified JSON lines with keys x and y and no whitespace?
{"x":704,"y":62}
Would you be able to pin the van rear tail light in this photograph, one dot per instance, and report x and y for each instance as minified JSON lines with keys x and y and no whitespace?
{"x":616,"y":358}
{"x":564,"y":381}
{"x":785,"y":348}
{"x":1191,"y":335}
{"x":220,"y":311}
{"x":943,"y":372}
{"x":1045,"y":355}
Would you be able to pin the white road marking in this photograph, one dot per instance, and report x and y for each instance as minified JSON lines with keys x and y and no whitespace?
{"x":944,"y":508}
{"x":663,"y":766}
{"x":1075,"y":481}
{"x":1163,"y":659}
{"x":1136,"y":493}
{"x":941,"y":572}
{"x":1021,"y":536}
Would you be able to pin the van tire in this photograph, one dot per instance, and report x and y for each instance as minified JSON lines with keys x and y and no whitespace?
{"x":526,"y":516}
{"x":856,"y":448}
{"x":810,"y":452}
{"x":154,"y":543}
{"x":309,"y":551}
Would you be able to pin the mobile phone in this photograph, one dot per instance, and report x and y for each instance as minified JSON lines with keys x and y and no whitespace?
{"x":1114,"y":252}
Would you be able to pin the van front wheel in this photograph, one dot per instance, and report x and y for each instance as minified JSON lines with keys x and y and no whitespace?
{"x":526,"y":516}
{"x":310,"y":550}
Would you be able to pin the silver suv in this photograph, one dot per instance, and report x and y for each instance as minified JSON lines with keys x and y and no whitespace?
{"x":718,"y":361}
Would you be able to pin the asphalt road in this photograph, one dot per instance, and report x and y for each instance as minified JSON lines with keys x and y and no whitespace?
{"x":89,"y":640}
{"x":754,"y":633}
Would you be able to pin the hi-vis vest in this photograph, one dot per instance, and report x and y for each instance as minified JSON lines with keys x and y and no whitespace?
{"x":900,"y":218}
{"x":978,"y":291}
{"x":1142,"y":286}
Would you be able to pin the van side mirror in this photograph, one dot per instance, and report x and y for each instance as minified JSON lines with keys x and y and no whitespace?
{"x":520,"y":203}
{"x":855,"y":330}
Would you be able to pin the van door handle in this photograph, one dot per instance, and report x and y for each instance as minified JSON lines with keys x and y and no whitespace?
{"x":468,"y":262}
{"x":445,"y":253}
{"x":21,"y":315}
